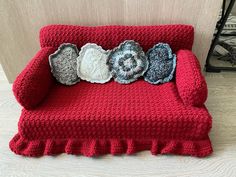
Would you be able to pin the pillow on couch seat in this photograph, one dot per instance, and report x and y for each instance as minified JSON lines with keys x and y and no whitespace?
{"x":127,"y":62}
{"x":63,"y":64}
{"x":162,"y":64}
{"x":91,"y":64}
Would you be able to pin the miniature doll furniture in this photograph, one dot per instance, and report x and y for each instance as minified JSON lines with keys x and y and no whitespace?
{"x":95,"y":119}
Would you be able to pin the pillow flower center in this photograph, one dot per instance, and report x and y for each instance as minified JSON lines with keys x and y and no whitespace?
{"x":129,"y":63}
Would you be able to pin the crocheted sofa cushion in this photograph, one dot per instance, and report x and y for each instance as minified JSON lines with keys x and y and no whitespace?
{"x":95,"y":119}
{"x":92,"y":119}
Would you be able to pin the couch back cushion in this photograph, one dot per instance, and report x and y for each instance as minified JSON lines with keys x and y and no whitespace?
{"x":177,"y":36}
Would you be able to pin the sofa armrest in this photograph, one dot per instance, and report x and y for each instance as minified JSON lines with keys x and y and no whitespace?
{"x":190,"y":82}
{"x":34,"y":82}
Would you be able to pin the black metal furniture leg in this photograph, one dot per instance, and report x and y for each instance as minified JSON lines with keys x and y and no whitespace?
{"x":208,"y":66}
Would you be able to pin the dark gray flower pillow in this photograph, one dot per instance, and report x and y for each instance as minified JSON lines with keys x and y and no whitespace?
{"x":162,"y":64}
{"x":127,"y":62}
{"x":63,"y":64}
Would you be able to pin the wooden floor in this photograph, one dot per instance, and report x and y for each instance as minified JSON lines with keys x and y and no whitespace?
{"x":221,"y":104}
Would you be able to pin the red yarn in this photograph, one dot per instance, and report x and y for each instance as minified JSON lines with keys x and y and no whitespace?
{"x":95,"y":147}
{"x":95,"y":119}
{"x":190,"y":82}
{"x":177,"y":36}
{"x":34,"y":82}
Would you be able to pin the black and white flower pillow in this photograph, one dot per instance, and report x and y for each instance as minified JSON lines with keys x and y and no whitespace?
{"x":127,"y":62}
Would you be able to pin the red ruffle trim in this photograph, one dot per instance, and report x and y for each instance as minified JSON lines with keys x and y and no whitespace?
{"x":94,"y":147}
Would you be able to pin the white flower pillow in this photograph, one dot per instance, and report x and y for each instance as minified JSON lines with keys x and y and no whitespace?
{"x":91,"y":64}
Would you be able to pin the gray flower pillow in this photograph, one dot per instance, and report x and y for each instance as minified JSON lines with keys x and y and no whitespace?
{"x":92,"y":64}
{"x":162,"y":64}
{"x":64,"y":65}
{"x":127,"y":62}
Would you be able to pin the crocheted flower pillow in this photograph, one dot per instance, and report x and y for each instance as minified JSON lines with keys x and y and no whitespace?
{"x":63,"y":64}
{"x":161,"y":64}
{"x":127,"y":62}
{"x":91,"y":64}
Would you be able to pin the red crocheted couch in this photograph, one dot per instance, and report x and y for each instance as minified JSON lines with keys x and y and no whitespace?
{"x":95,"y":119}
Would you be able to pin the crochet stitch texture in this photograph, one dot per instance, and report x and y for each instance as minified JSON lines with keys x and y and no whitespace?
{"x":94,"y":119}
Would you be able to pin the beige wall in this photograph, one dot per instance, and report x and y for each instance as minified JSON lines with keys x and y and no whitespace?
{"x":21,"y":21}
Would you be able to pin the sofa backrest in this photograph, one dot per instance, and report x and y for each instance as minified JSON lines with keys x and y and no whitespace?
{"x":177,"y":36}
